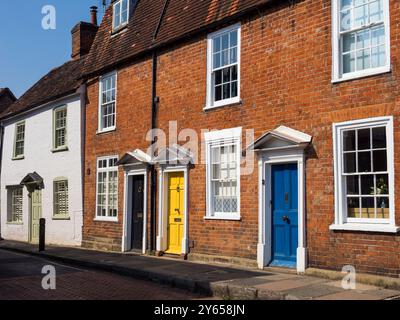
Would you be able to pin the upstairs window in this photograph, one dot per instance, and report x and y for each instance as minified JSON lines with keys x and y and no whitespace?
{"x":19,"y":142}
{"x":60,"y":128}
{"x":223,"y":67}
{"x":120,"y":14}
{"x":108,"y":99}
{"x":361,"y":38}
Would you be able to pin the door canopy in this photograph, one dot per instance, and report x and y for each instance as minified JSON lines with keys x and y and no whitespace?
{"x":136,"y":157}
{"x":174,"y":155}
{"x":33,"y":181}
{"x":281,"y":138}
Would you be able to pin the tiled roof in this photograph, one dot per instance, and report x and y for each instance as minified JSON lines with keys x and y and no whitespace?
{"x":181,"y":18}
{"x":58,"y":83}
{"x":6,"y":98}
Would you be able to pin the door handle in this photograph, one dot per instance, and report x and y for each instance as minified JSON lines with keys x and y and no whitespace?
{"x":286,"y":197}
{"x":285,"y":218}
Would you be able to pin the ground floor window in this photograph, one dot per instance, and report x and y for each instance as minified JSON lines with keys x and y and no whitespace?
{"x":364,"y":171}
{"x":61,"y":198}
{"x":15,"y":198}
{"x":223,"y":174}
{"x":107,"y":188}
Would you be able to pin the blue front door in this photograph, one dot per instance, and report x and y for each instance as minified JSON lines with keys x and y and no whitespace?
{"x":284,"y":215}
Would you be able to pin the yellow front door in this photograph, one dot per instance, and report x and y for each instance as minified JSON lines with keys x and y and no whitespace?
{"x":176,"y":198}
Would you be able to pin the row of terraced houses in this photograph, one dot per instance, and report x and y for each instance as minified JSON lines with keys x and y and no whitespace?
{"x":253,"y":132}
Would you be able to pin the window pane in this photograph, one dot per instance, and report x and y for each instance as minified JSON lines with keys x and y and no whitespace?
{"x":224,"y":58}
{"x":379,"y":137}
{"x":363,"y":59}
{"x":226,"y":91}
{"x":367,"y":185}
{"x":234,"y":39}
{"x":382,"y":210}
{"x":378,"y":57}
{"x":225,"y":41}
{"x":349,"y":140}
{"x":349,"y":42}
{"x":353,"y":207}
{"x":217,"y":44}
{"x":217,"y":60}
{"x":352,"y":185}
{"x":360,"y":16}
{"x":378,"y":36}
{"x":117,"y":17}
{"x":349,"y":63}
{"x":368,"y":208}
{"x":363,"y":40}
{"x":218,"y":93}
{"x":364,"y":161}
{"x":364,"y":139}
{"x":376,"y":11}
{"x":380,"y":160}
{"x":349,"y":162}
{"x":382,"y":184}
{"x":345,"y":20}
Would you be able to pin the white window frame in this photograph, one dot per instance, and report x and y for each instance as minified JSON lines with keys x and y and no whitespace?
{"x":210,"y":103}
{"x":108,"y":169}
{"x":20,"y":156}
{"x":55,"y":214}
{"x":100,"y":117}
{"x":342,"y":222}
{"x":65,"y":146}
{"x":10,"y":205}
{"x":233,"y":134}
{"x":337,"y":74}
{"x":121,"y":25}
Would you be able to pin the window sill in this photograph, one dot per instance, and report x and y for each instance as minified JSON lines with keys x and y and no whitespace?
{"x":119,"y":30}
{"x":106,"y":220}
{"x":386,"y":228}
{"x":362,"y":74}
{"x":15,"y":223}
{"x":227,"y":103}
{"x":61,"y":149}
{"x":61,"y":218}
{"x":227,"y":218}
{"x":112,"y":129}
{"x":18,"y":158}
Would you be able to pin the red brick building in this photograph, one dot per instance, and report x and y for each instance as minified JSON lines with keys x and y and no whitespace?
{"x":317,"y":81}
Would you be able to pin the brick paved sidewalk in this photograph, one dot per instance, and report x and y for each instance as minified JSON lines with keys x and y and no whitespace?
{"x":221,"y":281}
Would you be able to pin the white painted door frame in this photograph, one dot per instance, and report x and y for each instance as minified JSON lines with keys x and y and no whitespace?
{"x":162,"y":236}
{"x":127,"y":219}
{"x":265,"y":161}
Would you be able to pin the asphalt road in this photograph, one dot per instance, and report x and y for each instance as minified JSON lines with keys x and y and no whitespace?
{"x":21,"y":279}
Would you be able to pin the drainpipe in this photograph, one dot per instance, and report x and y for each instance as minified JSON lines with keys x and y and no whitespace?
{"x":82,"y":92}
{"x":153,"y":198}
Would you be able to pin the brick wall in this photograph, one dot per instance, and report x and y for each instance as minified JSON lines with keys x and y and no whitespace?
{"x":285,"y":80}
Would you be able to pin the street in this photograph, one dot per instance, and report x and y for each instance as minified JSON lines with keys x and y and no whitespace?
{"x":21,"y":279}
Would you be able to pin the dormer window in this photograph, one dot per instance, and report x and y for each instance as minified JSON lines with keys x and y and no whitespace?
{"x":120,"y":14}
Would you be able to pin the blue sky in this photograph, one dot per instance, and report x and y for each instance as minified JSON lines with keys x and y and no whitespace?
{"x":27,"y":52}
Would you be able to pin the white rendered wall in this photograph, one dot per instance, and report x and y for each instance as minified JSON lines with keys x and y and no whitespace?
{"x":49,"y":165}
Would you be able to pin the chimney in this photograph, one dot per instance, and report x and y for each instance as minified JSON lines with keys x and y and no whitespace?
{"x":83,"y":35}
{"x":93,"y":14}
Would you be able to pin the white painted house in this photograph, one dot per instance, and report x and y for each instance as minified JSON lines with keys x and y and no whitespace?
{"x":42,"y":153}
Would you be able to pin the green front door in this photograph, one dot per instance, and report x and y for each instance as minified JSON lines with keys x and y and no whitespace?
{"x":36,"y":214}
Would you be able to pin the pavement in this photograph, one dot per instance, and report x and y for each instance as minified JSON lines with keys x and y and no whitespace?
{"x":21,"y":279}
{"x":209,"y":280}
